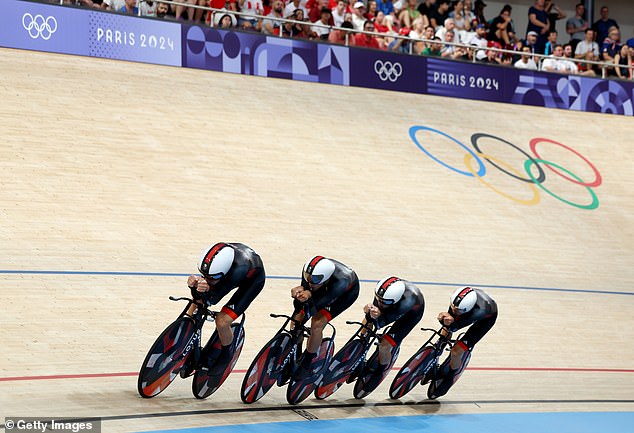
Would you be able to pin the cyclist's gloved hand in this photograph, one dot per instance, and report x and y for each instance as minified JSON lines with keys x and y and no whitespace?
{"x":445,"y":318}
{"x":309,"y":309}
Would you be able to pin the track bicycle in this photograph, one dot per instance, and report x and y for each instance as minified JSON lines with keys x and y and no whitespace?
{"x":177,"y":351}
{"x":424,"y":367}
{"x":280,"y":357}
{"x":350,"y":364}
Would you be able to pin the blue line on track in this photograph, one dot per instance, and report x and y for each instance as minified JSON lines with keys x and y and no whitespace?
{"x":549,"y":422}
{"x":283,"y":277}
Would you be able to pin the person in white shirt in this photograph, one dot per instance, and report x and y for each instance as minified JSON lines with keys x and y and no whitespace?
{"x":322,"y":30}
{"x":480,"y":40}
{"x":450,"y":24}
{"x":339,"y":13}
{"x":526,"y":61}
{"x":292,"y":6}
{"x":587,"y":49}
{"x":358,"y":12}
{"x":558,"y":63}
{"x":252,"y":8}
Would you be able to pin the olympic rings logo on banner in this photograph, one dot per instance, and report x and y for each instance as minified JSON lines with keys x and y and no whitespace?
{"x":38,"y":26}
{"x":534,"y":160}
{"x":388,"y":70}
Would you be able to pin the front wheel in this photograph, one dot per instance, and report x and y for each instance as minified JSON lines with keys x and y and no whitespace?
{"x":266,"y":368}
{"x":167,"y":356}
{"x":343,"y":364}
{"x":412,"y":372}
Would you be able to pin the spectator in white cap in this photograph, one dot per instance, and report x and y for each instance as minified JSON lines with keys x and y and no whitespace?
{"x":531,"y":41}
{"x":358,"y":18}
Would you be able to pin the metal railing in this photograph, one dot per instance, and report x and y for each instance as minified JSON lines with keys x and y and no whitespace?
{"x":280,"y":21}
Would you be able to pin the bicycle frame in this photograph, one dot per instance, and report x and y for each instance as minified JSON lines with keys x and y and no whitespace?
{"x":439,"y":346}
{"x":423,"y":365}
{"x":368,"y":340}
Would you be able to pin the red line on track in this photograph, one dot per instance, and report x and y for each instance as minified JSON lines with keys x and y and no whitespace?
{"x":587,"y":370}
{"x":130,"y":374}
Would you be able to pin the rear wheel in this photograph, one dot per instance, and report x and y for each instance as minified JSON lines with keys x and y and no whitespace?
{"x":368,"y":382}
{"x":205,"y":384}
{"x":166,"y":357}
{"x":299,"y":390}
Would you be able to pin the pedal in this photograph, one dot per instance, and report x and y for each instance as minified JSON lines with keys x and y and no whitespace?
{"x":353,"y":376}
{"x":285,"y":377}
{"x":186,"y":371}
{"x":427,"y":377}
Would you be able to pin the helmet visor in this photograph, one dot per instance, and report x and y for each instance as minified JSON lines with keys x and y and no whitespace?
{"x":382,"y":301}
{"x":314,"y":279}
{"x":457,"y":310}
{"x":216,"y":276}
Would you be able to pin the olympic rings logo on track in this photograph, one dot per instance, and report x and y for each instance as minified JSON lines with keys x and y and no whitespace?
{"x":38,"y":26}
{"x":528,"y":177}
{"x":388,"y":70}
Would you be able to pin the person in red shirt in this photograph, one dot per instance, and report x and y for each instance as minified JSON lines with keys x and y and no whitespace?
{"x":216,"y":4}
{"x":366,"y":40}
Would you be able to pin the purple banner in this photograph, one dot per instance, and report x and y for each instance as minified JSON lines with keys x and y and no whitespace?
{"x":42,"y":27}
{"x":517,"y":86}
{"x":124,"y":37}
{"x":573,"y":92}
{"x":256,"y":54}
{"x":55,"y":29}
{"x":385,"y":70}
{"x":465,"y":80}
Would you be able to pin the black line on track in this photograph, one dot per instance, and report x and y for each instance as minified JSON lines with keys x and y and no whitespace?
{"x":249,"y":409}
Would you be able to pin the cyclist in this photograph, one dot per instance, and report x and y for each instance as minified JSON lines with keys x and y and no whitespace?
{"x":327,"y":289}
{"x":395,"y":301}
{"x":468,"y":307}
{"x":223,"y":267}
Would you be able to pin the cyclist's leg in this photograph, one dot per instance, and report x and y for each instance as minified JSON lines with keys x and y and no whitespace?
{"x":326,"y":314}
{"x":376,"y":372}
{"x":248,"y":290}
{"x":464,"y":346}
{"x":237,"y":305}
{"x":400,"y":329}
{"x":321,"y":319}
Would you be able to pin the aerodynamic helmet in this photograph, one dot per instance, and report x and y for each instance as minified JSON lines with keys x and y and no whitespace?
{"x":389,"y":290}
{"x":318,"y":270}
{"x":216,"y":260}
{"x":463,"y":299}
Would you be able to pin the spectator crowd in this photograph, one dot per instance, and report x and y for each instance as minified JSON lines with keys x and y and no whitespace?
{"x":457,"y":29}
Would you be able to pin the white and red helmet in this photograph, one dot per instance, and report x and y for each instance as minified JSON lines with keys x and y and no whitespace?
{"x":464,"y":299}
{"x":216,"y":260}
{"x":389,"y":290}
{"x":318,"y":270}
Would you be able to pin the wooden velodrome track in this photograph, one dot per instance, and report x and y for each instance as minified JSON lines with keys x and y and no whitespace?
{"x":115,"y":175}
